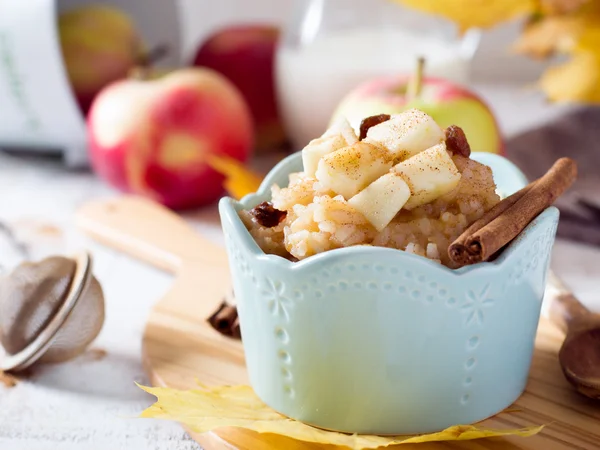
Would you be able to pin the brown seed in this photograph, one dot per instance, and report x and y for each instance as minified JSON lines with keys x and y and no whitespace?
{"x":267,"y":216}
{"x":369,"y":122}
{"x":456,"y":141}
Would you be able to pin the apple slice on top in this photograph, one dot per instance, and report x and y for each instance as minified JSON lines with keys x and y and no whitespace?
{"x":380,"y":201}
{"x":411,"y":183}
{"x":406,"y":134}
{"x":317,"y":148}
{"x":429,"y":175}
{"x":340,"y":135}
{"x":350,"y":169}
{"x":360,"y":170}
{"x":343,"y":127}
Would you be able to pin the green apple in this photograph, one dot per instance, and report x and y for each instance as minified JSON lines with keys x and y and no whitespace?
{"x":447,"y":102}
{"x":100,"y":45}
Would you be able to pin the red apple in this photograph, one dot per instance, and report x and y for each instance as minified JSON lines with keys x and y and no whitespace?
{"x":153,"y":137}
{"x":245,"y":54}
{"x":447,"y":102}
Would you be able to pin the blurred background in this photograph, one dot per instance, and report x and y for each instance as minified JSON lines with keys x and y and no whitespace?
{"x":88,"y":84}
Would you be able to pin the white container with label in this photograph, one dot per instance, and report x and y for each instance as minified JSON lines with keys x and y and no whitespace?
{"x":38,"y":110}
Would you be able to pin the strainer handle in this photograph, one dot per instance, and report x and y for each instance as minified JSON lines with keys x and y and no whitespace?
{"x":148,"y":231}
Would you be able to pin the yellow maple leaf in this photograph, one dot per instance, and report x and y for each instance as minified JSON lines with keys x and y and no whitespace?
{"x":475,"y":13}
{"x":577,"y":80}
{"x":207,"y":409}
{"x":570,"y":27}
{"x":562,"y":33}
{"x":239,"y":180}
{"x":560,"y":6}
{"x":576,"y":34}
{"x":469,"y":433}
{"x":589,"y":39}
{"x":546,"y":36}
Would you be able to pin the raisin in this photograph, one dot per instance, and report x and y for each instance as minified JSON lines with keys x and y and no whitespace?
{"x":371,"y":122}
{"x":456,"y":141}
{"x":267,"y":216}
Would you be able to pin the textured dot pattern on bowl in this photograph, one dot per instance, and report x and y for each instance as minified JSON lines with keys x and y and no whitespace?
{"x":375,"y":340}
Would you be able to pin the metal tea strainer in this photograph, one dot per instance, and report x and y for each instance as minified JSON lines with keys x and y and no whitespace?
{"x":50,"y":311}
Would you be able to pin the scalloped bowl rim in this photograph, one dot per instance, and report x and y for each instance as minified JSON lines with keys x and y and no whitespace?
{"x":500,"y":165}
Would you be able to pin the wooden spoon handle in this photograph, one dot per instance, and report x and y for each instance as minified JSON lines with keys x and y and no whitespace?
{"x":147,"y":231}
{"x":565,"y":310}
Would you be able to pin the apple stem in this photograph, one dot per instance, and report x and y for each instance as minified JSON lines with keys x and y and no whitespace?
{"x":141,"y":73}
{"x":416,"y":82}
{"x":143,"y":69}
{"x":155,"y":54}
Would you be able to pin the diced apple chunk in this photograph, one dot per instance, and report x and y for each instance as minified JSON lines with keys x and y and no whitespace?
{"x":350,"y":169}
{"x":343,"y":127}
{"x":339,"y":135}
{"x":406,"y":134}
{"x":380,"y":201}
{"x":429,"y":175}
{"x":317,"y":148}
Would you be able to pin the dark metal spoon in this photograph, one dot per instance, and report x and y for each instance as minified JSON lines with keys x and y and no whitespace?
{"x":579,"y":355}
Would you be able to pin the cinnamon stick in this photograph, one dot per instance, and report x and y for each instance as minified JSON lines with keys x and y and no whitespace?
{"x":225,"y":320}
{"x":508,"y":219}
{"x":457,"y":248}
{"x":236,"y":331}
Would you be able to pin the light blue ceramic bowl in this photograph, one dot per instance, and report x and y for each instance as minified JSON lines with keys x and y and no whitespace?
{"x":375,"y":340}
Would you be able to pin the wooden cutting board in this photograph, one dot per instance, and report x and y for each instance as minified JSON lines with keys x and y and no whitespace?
{"x":180,"y":347}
